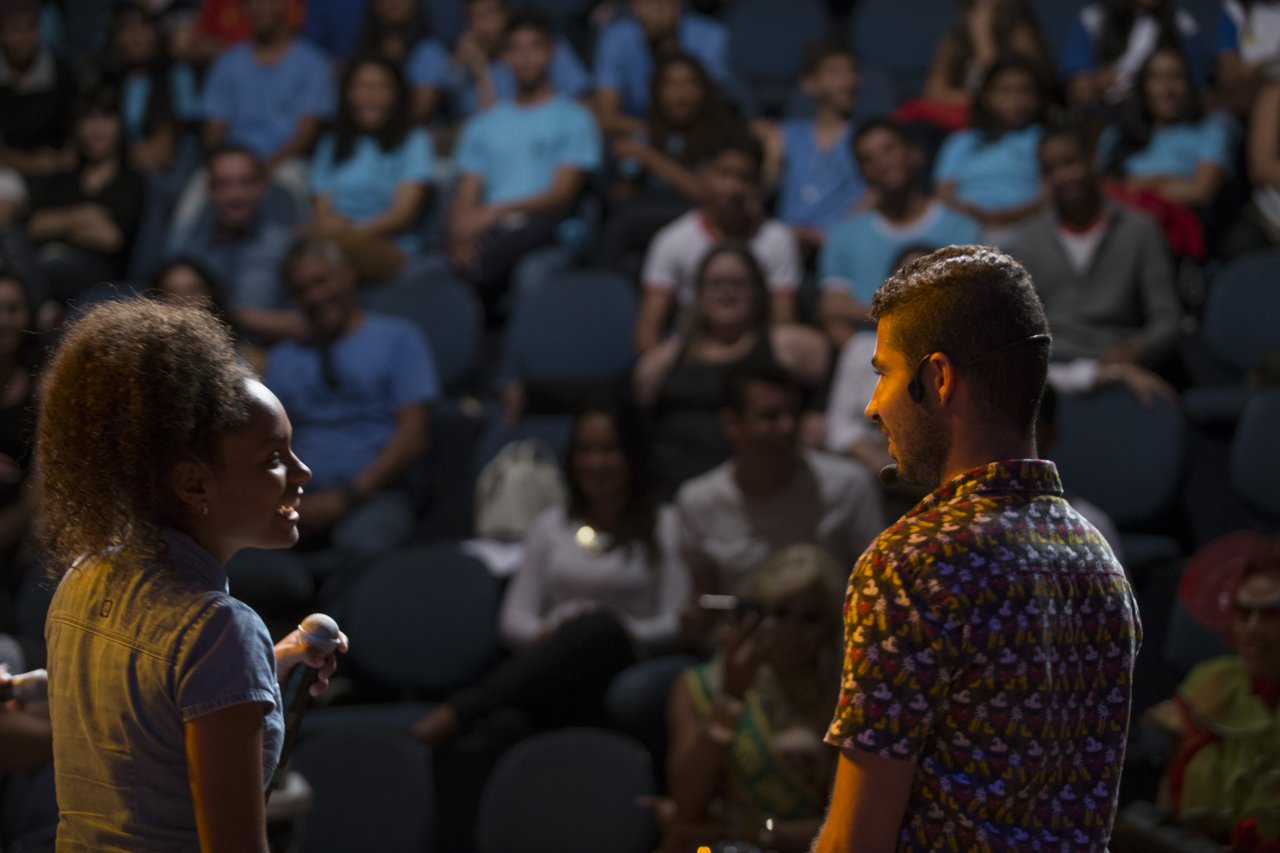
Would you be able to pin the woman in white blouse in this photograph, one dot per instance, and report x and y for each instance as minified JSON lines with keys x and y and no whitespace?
{"x":601,"y":585}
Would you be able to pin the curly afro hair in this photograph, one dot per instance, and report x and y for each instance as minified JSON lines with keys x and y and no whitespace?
{"x":136,"y":387}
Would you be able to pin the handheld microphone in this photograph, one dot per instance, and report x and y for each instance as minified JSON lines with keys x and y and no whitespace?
{"x":319,"y":632}
{"x":26,"y":687}
{"x":889,"y":475}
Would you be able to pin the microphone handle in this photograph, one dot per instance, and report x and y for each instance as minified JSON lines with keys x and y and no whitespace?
{"x":293,"y":723}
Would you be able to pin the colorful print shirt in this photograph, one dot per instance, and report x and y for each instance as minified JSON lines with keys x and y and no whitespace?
{"x":990,"y":637}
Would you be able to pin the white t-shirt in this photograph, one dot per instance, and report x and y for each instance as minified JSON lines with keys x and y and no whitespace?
{"x":1256,"y":32}
{"x":678,"y":249}
{"x":1080,"y":246}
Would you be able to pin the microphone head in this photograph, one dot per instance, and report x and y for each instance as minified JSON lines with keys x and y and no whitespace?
{"x":320,"y":632}
{"x":889,"y":475}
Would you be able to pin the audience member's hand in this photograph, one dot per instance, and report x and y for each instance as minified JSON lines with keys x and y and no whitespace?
{"x":745,"y":648}
{"x":627,"y":147}
{"x":1125,"y":353}
{"x":1142,"y":383}
{"x":464,"y":252}
{"x":292,"y":650}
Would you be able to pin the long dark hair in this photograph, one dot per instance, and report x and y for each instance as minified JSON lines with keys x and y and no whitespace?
{"x":373,"y":30}
{"x":638,"y":525}
{"x":396,"y":128}
{"x":1138,"y":124}
{"x":712,"y":124}
{"x":983,"y":119}
{"x":1118,"y":18}
{"x":112,"y":70}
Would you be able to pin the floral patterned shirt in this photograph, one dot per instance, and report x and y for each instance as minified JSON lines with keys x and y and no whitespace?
{"x":990,"y":637}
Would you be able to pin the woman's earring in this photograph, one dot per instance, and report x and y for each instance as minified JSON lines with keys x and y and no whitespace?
{"x":204,"y":509}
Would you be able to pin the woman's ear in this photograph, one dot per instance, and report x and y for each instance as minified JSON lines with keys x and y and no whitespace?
{"x":190,"y":482}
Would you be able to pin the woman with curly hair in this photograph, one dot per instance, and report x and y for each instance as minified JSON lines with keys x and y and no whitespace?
{"x":160,"y":458}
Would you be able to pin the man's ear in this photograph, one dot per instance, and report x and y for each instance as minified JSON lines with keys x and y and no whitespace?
{"x":190,"y":482}
{"x":942,"y":384}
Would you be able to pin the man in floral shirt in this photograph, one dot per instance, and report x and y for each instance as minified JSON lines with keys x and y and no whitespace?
{"x":990,"y":633}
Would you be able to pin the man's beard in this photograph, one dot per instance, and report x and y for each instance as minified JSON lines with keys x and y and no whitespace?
{"x":922,"y":447}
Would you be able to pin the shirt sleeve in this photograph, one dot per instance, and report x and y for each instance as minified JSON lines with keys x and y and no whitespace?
{"x":780,"y":257}
{"x":834,"y":267}
{"x":418,"y":158}
{"x":428,"y":65}
{"x":674,"y":586}
{"x":1215,"y":144}
{"x":613,"y":57}
{"x":318,"y":97}
{"x":226,"y":659}
{"x":471,"y":148}
{"x":713,"y":49}
{"x":582,"y":143}
{"x":415,"y":380}
{"x":218,"y":101}
{"x":569,"y":76}
{"x":1077,"y":55}
{"x":898,"y":649}
{"x":952,"y":156}
{"x":524,"y":606}
{"x":662,"y":262}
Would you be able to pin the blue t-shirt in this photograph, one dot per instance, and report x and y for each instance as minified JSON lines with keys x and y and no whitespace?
{"x":624,"y":60}
{"x":1180,"y":149}
{"x":1080,"y":53}
{"x":516,"y":150}
{"x":364,"y":185}
{"x":334,"y":25}
{"x":384,"y":365}
{"x":818,"y":187}
{"x":248,"y":266}
{"x":262,"y":104}
{"x":135,"y":96}
{"x":859,"y":252}
{"x":992,"y":175}
{"x":429,"y":65}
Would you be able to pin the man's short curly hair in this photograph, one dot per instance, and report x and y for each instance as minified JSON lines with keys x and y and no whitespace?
{"x":136,"y":387}
{"x":973,"y":302}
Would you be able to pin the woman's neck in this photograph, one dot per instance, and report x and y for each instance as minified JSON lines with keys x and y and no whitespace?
{"x":605,"y":514}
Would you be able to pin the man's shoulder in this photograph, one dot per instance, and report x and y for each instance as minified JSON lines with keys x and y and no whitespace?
{"x":237,"y":59}
{"x":388,"y":329}
{"x":707,"y":489}
{"x":838,"y":476}
{"x":686,"y":229}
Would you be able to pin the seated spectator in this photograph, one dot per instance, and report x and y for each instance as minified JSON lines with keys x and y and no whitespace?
{"x":358,"y":393}
{"x":37,"y":94}
{"x":989,"y":173}
{"x":391,"y":30}
{"x":628,"y":48}
{"x":83,"y":222}
{"x":1112,"y":38}
{"x":1248,"y":51}
{"x":681,"y":380}
{"x":984,"y":32}
{"x":522,"y":165}
{"x":270,"y":95}
{"x":370,"y":176}
{"x":158,"y":97}
{"x":1103,"y":271}
{"x":222,"y":24}
{"x":747,"y":762}
{"x":658,"y":173}
{"x":236,"y":236}
{"x":1166,"y":144}
{"x":1259,"y":226}
{"x":769,"y":495}
{"x":186,"y":281}
{"x":601,"y":581}
{"x":732,"y":211}
{"x":478,"y":74}
{"x":811,"y":160}
{"x":863,"y":249}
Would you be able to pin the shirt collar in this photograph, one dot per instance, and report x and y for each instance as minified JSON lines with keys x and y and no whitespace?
{"x":1012,"y":476}
{"x":186,"y":553}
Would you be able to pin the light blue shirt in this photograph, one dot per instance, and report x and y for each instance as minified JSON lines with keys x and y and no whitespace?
{"x":135,"y":653}
{"x":383,"y":365}
{"x":262,"y":104}
{"x":135,"y":95}
{"x":516,"y":150}
{"x":624,"y":60}
{"x":247,"y":265}
{"x":819,"y":187}
{"x":429,"y":65}
{"x":859,"y":252}
{"x":364,"y":185}
{"x":991,"y":175}
{"x":1180,"y":149}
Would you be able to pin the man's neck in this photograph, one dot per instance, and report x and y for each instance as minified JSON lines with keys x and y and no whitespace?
{"x":533,"y":95}
{"x":905,"y":207}
{"x":271,"y":46}
{"x":829,"y":123}
{"x":993,"y":445}
{"x":1081,"y":217}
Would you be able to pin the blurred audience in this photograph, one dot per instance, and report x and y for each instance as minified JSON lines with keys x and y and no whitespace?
{"x":37,"y":94}
{"x":862,"y":250}
{"x":20,"y":358}
{"x":985,"y":32}
{"x":770,"y":494}
{"x":989,"y":172}
{"x":370,"y":176}
{"x":747,"y":765}
{"x":522,"y":165}
{"x":811,"y":160}
{"x":600,"y":585}
{"x":1103,"y":271}
{"x":1111,"y":40}
{"x":682,"y":380}
{"x":1259,"y":224}
{"x":358,"y":391}
{"x":1248,"y":51}
{"x":733,"y":210}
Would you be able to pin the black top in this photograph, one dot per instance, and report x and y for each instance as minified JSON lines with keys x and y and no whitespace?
{"x":123,"y":197}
